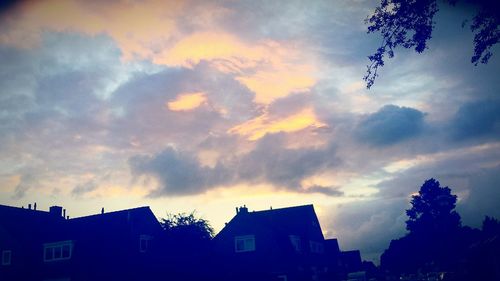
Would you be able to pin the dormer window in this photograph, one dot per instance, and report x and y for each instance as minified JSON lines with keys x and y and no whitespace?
{"x":295,"y":240}
{"x":6,"y":257}
{"x":244,"y":243}
{"x":57,"y":251}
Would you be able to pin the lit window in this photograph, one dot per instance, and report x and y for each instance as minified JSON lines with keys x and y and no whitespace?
{"x":144,"y":242}
{"x":244,"y":243}
{"x":6,"y":257}
{"x":57,"y":251}
{"x":295,"y":240}
{"x":316,"y":247}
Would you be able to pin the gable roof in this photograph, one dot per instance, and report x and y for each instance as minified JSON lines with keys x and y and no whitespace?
{"x":114,"y":223}
{"x":19,"y":224}
{"x":296,"y":220}
{"x":30,"y":225}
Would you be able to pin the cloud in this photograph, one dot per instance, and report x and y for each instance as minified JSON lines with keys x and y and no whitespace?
{"x":187,"y":101}
{"x":326,"y":190}
{"x":180,"y":172}
{"x":476,"y":119}
{"x":270,"y":68}
{"x":482,"y":198}
{"x":285,"y":168}
{"x":390,"y":125}
{"x":380,"y":220}
{"x":84,"y":188}
{"x":260,"y":126}
{"x":134,"y":26}
{"x":28,"y":181}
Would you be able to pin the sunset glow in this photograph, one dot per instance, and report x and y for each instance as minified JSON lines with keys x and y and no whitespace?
{"x":210,"y":105}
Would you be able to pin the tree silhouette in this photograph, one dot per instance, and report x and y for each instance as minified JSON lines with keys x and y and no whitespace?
{"x":432,"y":209}
{"x":435,"y":239}
{"x":187,"y":226}
{"x":409,"y":24}
{"x":188,"y":240}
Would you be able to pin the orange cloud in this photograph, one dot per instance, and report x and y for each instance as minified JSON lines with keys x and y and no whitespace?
{"x":256,"y":128}
{"x":192,"y":49}
{"x":149,"y":30}
{"x":271,"y":85}
{"x":270,"y":69}
{"x":138,"y":28}
{"x":187,"y":101}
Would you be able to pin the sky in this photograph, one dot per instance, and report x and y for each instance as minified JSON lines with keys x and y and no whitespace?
{"x":208,"y":105}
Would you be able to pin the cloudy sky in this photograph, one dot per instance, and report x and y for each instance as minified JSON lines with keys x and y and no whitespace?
{"x":209,"y":105}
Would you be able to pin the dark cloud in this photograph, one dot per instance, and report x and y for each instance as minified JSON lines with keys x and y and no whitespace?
{"x":482,"y":198}
{"x":181,"y":173}
{"x":84,"y":188}
{"x":272,"y":162}
{"x":471,"y":174}
{"x":367,"y":225}
{"x":476,"y":119}
{"x":390,"y":125}
{"x":326,"y":190}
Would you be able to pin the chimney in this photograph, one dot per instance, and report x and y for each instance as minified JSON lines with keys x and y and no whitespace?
{"x":34,"y":207}
{"x":56,"y":211}
{"x":64,"y":213}
{"x":29,"y":206}
{"x":243,"y":210}
{"x":102,"y":210}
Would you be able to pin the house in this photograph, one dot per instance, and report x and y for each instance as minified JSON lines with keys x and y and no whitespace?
{"x":284,"y":244}
{"x":121,"y":245}
{"x":22,"y":234}
{"x":278,"y":244}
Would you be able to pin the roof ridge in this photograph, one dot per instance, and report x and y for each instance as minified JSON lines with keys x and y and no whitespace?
{"x":284,"y":208}
{"x":111,"y":213}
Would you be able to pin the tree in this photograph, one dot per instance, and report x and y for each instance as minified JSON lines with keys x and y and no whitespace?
{"x":409,"y":24}
{"x":436,"y":241}
{"x":433,"y":209}
{"x":187,"y":226}
{"x":188,"y":241}
{"x":435,"y":237}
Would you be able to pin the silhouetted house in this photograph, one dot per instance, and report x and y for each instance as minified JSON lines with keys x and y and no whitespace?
{"x":334,"y":263}
{"x":279,"y":244}
{"x":22,"y":235}
{"x":122,"y":245}
{"x":352,"y":265}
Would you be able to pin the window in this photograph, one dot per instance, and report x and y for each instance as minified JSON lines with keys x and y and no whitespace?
{"x":282,"y":278}
{"x":244,"y":243}
{"x":295,"y":240}
{"x":316,"y":247}
{"x":144,"y":242}
{"x":6,"y":257}
{"x":57,"y":251}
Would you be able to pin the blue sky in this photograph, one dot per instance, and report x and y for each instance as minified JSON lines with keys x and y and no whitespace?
{"x":209,"y":105}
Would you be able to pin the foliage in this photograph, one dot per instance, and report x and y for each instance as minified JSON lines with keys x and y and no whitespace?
{"x":409,"y":23}
{"x":437,"y":242}
{"x":432,"y":209}
{"x":188,"y":242}
{"x":187,"y":226}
